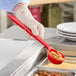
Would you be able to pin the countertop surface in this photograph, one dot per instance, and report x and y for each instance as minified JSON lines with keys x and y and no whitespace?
{"x":14,"y":47}
{"x":13,"y":43}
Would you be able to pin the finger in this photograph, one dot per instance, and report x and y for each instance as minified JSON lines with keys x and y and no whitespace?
{"x":41,"y":30}
{"x":35,"y":31}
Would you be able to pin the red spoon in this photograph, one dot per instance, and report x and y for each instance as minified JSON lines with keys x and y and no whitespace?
{"x":49,"y":48}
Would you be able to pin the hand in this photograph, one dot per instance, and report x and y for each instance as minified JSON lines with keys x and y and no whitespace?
{"x":25,"y":16}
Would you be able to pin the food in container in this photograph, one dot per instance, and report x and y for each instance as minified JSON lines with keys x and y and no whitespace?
{"x":69,"y":63}
{"x":47,"y":73}
{"x":64,"y":65}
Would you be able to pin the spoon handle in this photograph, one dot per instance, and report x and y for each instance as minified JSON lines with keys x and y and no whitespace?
{"x":28,"y":30}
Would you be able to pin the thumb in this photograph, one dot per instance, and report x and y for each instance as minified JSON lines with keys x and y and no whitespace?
{"x":35,"y":31}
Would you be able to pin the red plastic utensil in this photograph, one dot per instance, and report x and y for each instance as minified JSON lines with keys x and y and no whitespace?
{"x":49,"y":48}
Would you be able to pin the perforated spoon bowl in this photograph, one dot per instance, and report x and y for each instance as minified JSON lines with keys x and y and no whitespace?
{"x":49,"y":48}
